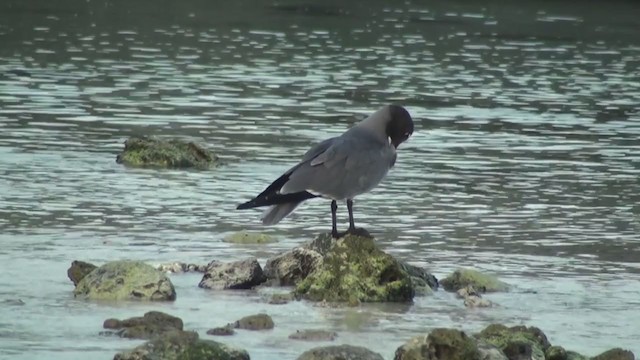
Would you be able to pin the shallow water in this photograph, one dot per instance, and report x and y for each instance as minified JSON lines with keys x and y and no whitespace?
{"x":524,"y":162}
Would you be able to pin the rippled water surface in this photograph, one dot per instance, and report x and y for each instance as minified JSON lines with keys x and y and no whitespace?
{"x":525,"y":161}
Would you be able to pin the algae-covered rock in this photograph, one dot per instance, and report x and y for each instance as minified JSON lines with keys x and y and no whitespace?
{"x":516,"y":342}
{"x":490,"y":352}
{"x":615,"y":354}
{"x":244,"y":274}
{"x":291,"y":267}
{"x":255,"y":322}
{"x":173,"y":153}
{"x":126,"y":280}
{"x":481,"y":282}
{"x":246,"y":237}
{"x":313,"y":335}
{"x":340,"y":352}
{"x":355,"y":270}
{"x":420,"y":277}
{"x":78,"y":270}
{"x":182,"y":345}
{"x":439,"y":344}
{"x":152,"y":324}
{"x":555,"y":353}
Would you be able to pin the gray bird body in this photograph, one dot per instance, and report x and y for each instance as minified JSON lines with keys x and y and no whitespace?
{"x":340,"y":168}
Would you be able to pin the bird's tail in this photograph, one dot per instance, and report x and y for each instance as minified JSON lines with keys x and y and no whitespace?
{"x":280,"y":205}
{"x":275,"y":213}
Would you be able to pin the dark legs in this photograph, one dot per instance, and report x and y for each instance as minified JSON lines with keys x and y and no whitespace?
{"x":334,"y":220}
{"x":352,"y":225}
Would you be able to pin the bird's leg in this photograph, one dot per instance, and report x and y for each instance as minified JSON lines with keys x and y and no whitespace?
{"x":352,"y":225}
{"x":334,"y":220}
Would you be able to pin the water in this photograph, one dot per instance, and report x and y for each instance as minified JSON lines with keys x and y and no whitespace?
{"x":524,"y":162}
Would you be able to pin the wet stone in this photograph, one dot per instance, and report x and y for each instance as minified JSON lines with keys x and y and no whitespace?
{"x":255,"y":322}
{"x":313,"y":335}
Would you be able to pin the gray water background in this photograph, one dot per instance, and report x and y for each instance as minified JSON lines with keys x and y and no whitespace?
{"x":524,"y":162}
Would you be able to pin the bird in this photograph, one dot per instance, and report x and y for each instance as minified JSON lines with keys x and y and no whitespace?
{"x":339,"y":168}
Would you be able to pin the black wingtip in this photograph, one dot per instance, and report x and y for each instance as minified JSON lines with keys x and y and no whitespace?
{"x":247,"y":205}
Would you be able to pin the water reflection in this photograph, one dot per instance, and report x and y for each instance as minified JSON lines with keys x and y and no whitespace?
{"x":524,"y":161}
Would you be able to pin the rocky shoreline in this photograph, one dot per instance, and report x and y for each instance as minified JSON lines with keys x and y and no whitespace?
{"x":345,"y":272}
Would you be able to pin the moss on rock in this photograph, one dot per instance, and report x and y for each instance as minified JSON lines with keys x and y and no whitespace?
{"x":183,"y":345}
{"x":615,"y":354}
{"x":516,"y":341}
{"x":555,"y":353}
{"x":481,"y":282}
{"x":126,"y":280}
{"x":441,"y":344}
{"x":255,"y":322}
{"x":78,"y":270}
{"x":173,"y":153}
{"x":355,"y":270}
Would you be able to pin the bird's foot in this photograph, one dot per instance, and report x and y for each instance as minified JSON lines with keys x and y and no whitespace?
{"x":353,"y":231}
{"x":335,"y":234}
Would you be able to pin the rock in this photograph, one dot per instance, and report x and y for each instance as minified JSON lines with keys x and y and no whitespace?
{"x":255,"y":322}
{"x":152,"y":324}
{"x":355,"y":270}
{"x":221,"y":331}
{"x":517,"y":342}
{"x":420,"y":277}
{"x":555,"y":353}
{"x":340,"y":352}
{"x":150,"y":152}
{"x":78,"y":270}
{"x":280,"y":299}
{"x":439,"y":344}
{"x":472,"y":298}
{"x":245,"y":237}
{"x":615,"y":354}
{"x":291,"y":267}
{"x":481,"y":282}
{"x":490,"y":352}
{"x":179,"y":267}
{"x":244,"y":274}
{"x":182,"y":345}
{"x":126,"y":280}
{"x":313,"y":335}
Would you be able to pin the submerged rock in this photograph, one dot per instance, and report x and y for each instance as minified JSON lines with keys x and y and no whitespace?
{"x":439,"y":344}
{"x":313,"y":335}
{"x":78,"y":270}
{"x":480,"y":282}
{"x":244,"y":274}
{"x":150,"y":152}
{"x":355,"y":270}
{"x":472,"y":298}
{"x":126,"y":280}
{"x":221,"y":331}
{"x":180,"y":267}
{"x":182,"y":345}
{"x":420,"y":277}
{"x":615,"y":354}
{"x":245,"y":237}
{"x":255,"y":322}
{"x":340,"y":352}
{"x":517,"y":342}
{"x":152,"y":324}
{"x":291,"y":267}
{"x":280,"y":299}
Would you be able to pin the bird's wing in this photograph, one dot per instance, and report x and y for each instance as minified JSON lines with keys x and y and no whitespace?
{"x":351,"y":164}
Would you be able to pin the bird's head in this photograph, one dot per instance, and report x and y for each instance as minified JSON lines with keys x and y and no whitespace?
{"x":400,"y":125}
